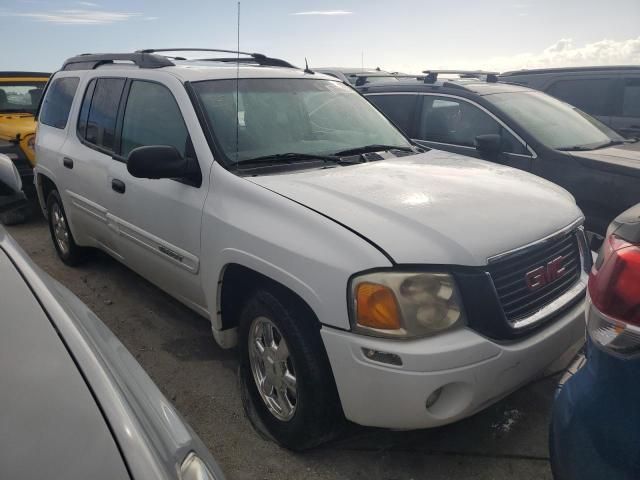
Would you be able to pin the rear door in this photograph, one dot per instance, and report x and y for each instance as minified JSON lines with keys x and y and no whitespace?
{"x":626,"y":118}
{"x":87,"y":158}
{"x":594,"y":95}
{"x":451,"y":123}
{"x":158,"y":222}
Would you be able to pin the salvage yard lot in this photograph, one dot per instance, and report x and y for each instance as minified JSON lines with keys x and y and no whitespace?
{"x":175,"y":346}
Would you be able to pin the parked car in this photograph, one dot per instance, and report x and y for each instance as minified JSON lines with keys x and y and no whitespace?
{"x":594,"y":428}
{"x":360,"y":277}
{"x":75,"y":403}
{"x":359,"y":76}
{"x":20,"y":94}
{"x":14,"y":206}
{"x":522,"y":128}
{"x":611,"y":94}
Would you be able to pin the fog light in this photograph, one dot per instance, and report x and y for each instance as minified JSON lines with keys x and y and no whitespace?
{"x":382,"y":357}
{"x":433,"y":398}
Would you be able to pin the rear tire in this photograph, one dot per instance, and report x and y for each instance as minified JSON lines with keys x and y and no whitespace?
{"x":66,"y":248}
{"x":300,"y":379}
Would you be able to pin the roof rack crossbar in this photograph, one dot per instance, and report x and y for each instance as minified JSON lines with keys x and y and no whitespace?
{"x":90,"y":61}
{"x":259,"y":58}
{"x":490,"y":77}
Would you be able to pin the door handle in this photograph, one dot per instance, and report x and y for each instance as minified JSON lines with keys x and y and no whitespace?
{"x":117,"y":185}
{"x":67,"y":162}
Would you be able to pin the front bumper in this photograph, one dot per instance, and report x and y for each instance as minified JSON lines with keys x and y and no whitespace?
{"x":472,"y":371}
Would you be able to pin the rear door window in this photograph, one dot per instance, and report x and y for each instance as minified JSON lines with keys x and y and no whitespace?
{"x":57,"y":104}
{"x":399,"y":108}
{"x":593,"y":95}
{"x":152,"y":117}
{"x":103,"y":113}
{"x":631,"y":98}
{"x":454,"y":121}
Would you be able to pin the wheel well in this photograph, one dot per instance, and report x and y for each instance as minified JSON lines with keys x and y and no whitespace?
{"x":238,"y":283}
{"x":46,"y":186}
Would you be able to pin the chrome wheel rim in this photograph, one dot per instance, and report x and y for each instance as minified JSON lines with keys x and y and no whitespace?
{"x":60,"y":230}
{"x":272,"y":369}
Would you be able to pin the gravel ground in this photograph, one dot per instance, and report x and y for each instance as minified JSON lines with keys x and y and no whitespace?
{"x":175,"y":346}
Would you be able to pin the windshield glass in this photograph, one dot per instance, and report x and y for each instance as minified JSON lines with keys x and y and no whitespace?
{"x":553,"y":123}
{"x":277,"y":116}
{"x":20,"y":96}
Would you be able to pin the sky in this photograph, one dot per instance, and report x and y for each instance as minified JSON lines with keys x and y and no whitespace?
{"x":402,"y":35}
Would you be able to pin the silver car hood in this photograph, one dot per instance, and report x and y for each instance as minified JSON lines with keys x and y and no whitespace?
{"x":433,"y":208}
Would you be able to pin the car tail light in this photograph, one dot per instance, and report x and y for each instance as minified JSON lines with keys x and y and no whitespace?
{"x":614,"y":289}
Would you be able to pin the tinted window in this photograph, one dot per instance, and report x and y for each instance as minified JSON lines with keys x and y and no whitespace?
{"x":631,"y":99}
{"x":57,"y":104}
{"x":399,"y":108}
{"x":84,"y":110}
{"x":456,"y":122}
{"x":20,"y":96}
{"x":152,"y":117}
{"x":101,"y":122}
{"x":590,"y":95}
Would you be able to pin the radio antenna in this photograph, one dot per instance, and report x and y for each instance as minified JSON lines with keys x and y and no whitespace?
{"x":237,"y":91}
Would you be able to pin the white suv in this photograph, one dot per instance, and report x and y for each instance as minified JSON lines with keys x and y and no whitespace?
{"x":360,"y":277}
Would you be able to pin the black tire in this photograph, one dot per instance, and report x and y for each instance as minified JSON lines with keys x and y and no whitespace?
{"x":73,"y":255}
{"x":318,"y":416}
{"x":17,"y":215}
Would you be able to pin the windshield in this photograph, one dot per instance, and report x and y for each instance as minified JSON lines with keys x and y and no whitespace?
{"x":552,"y":122}
{"x":20,"y":96}
{"x":279,"y":116}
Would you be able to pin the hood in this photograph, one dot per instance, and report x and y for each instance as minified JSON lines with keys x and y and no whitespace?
{"x":433,"y":208}
{"x":619,"y":157}
{"x":12,"y":124}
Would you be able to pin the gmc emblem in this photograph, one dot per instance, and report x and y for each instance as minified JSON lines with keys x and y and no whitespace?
{"x":546,"y":274}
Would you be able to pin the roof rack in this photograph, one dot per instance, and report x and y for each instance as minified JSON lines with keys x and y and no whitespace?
{"x":489,"y":77}
{"x":258,"y":58}
{"x":150,"y":59}
{"x":596,"y":68}
{"x":91,"y":61}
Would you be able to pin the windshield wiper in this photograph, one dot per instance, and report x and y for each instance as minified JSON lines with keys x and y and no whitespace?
{"x":291,"y":157}
{"x":589,"y":147}
{"x":16,"y":110}
{"x":372,"y":148}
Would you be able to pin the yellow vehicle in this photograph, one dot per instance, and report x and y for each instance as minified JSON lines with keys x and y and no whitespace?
{"x":20,"y":94}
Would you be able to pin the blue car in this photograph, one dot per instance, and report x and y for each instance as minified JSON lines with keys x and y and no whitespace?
{"x":595,"y":425}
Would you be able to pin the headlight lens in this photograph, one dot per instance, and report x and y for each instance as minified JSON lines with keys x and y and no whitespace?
{"x":193,"y":468}
{"x":399,"y":304}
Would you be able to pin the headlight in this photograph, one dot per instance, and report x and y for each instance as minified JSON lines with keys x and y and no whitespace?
{"x":399,"y":304}
{"x":193,"y":468}
{"x":31,"y":142}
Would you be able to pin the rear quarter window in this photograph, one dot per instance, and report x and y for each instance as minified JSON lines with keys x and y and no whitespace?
{"x":57,"y":103}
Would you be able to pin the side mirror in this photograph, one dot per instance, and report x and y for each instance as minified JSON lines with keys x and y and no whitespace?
{"x":9,"y":175}
{"x":158,"y":161}
{"x":489,"y":144}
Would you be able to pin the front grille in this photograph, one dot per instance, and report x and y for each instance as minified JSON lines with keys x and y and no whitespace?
{"x":509,"y":275}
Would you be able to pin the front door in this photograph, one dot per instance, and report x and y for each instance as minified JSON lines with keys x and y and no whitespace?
{"x":158,"y":222}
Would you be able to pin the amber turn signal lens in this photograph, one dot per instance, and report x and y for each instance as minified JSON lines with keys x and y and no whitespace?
{"x":377,"y":307}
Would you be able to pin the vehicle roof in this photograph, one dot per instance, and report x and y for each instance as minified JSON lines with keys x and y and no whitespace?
{"x":469,"y":86}
{"x":354,"y":70}
{"x":194,"y":71}
{"x":49,"y":414}
{"x":595,"y":68}
{"x":24,"y":74}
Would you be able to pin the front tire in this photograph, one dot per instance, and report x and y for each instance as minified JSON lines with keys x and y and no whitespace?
{"x":285,"y":372}
{"x":66,"y":248}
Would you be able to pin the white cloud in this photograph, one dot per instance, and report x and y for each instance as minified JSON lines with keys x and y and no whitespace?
{"x":324,"y":12}
{"x":564,"y":53}
{"x":88,"y":4}
{"x":76,"y":17}
{"x":150,"y":18}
